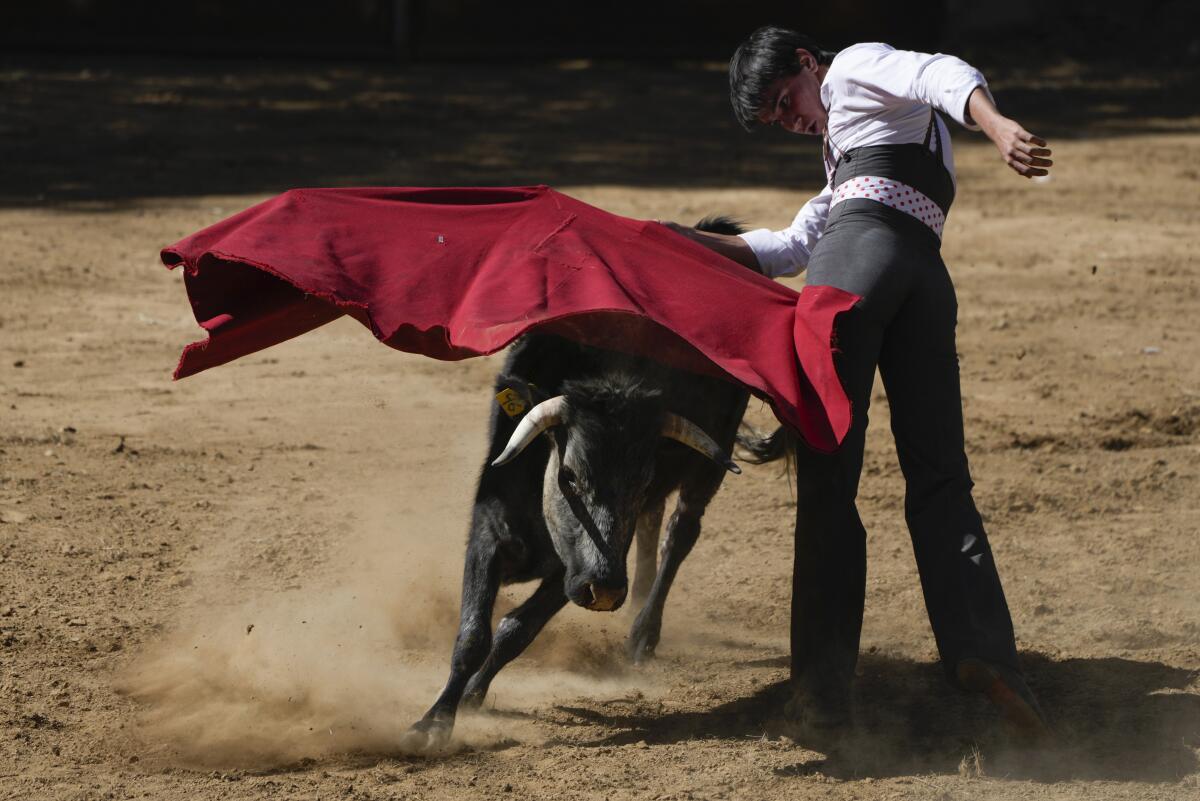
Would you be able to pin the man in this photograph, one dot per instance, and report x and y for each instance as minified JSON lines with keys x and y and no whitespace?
{"x":875,"y":230}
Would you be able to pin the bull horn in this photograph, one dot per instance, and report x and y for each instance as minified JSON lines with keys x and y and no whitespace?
{"x":546,"y":414}
{"x":683,"y":430}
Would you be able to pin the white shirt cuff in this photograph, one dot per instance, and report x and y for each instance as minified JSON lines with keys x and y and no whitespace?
{"x":774,"y":256}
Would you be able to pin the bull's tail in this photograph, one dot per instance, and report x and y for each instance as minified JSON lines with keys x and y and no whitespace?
{"x":779,"y":444}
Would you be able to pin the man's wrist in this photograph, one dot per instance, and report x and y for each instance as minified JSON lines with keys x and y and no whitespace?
{"x":981,"y":110}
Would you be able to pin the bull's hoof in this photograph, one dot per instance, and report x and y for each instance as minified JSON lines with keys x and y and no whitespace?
{"x":472,"y":699}
{"x":427,"y":736}
{"x":642,"y":642}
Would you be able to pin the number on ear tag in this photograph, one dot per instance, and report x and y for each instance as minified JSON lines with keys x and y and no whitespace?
{"x":512,"y":403}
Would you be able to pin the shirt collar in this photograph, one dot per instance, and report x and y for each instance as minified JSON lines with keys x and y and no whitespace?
{"x":826,"y":91}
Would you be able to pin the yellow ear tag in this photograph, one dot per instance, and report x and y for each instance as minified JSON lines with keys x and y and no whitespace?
{"x":512,"y":403}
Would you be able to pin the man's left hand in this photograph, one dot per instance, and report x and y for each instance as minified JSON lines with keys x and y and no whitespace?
{"x":1024,"y":152}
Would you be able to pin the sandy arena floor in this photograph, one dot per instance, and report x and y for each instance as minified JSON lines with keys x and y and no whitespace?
{"x":245,"y":584}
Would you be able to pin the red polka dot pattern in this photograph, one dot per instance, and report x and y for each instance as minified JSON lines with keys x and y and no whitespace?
{"x":894,"y":194}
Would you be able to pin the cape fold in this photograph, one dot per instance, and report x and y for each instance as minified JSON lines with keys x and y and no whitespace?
{"x":458,"y":272}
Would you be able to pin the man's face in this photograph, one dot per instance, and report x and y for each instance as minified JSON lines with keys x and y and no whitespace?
{"x":794,"y":101}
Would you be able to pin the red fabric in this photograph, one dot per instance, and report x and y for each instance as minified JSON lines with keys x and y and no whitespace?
{"x":453,"y":273}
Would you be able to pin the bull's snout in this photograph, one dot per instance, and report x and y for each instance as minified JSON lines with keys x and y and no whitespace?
{"x":599,"y":596}
{"x":605,"y":598}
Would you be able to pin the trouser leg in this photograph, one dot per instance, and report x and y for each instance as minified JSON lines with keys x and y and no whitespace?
{"x":829,"y":573}
{"x":919,"y":366}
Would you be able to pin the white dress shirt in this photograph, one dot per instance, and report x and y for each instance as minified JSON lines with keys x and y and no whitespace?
{"x":875,"y":95}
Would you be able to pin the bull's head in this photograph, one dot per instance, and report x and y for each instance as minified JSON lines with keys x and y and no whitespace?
{"x":606,"y":433}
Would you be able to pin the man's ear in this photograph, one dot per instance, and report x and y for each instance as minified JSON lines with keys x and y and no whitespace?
{"x":806,"y":59}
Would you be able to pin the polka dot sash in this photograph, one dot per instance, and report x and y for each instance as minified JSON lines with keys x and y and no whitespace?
{"x":899,"y":196}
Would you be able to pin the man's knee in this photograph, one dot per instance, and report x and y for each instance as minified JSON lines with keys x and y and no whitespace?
{"x":931,"y":489}
{"x":827,"y":480}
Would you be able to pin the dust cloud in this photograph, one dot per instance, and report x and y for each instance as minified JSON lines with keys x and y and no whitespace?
{"x":344,"y":663}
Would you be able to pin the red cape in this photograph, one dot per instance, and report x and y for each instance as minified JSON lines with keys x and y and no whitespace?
{"x":453,"y":273}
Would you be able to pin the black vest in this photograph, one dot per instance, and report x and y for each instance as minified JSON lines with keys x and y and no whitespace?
{"x":913,"y":164}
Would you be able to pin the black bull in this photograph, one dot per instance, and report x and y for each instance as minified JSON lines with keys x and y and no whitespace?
{"x":564,"y":508}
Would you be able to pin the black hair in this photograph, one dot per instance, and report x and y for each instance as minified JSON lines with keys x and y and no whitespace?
{"x":767,"y":55}
{"x":720,"y":224}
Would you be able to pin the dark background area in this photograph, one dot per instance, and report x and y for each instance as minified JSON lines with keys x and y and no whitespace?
{"x":475,"y":29}
{"x":455,"y":29}
{"x":105,"y":102}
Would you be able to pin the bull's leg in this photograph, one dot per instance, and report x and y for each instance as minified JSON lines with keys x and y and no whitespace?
{"x":481,"y":582}
{"x":682,"y":532}
{"x":649,"y":526}
{"x":516,"y":631}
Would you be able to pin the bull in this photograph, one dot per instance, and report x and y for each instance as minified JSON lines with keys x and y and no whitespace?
{"x":597,"y":441}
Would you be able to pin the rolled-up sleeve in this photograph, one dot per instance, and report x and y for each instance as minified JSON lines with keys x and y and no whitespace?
{"x":787,"y":252}
{"x":942,"y":81}
{"x":946,"y":83}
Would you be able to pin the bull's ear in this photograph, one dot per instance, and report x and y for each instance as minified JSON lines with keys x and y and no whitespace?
{"x":532,"y":392}
{"x":520,"y":387}
{"x":517,"y":396}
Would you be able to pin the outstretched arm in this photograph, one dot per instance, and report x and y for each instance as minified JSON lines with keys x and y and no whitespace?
{"x":876,"y":73}
{"x":771,"y":253}
{"x":730,"y":246}
{"x":1022,"y":151}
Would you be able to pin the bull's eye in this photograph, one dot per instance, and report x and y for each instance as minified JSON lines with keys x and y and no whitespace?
{"x":568,"y":480}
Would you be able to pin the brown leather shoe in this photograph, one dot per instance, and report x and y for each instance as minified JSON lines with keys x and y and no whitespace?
{"x":1008,"y":692}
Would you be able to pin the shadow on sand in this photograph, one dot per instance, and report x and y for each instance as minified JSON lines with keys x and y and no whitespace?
{"x":1113,"y":719}
{"x":108,"y":131}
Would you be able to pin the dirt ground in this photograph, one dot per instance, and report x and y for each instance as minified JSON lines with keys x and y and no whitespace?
{"x":245,"y":584}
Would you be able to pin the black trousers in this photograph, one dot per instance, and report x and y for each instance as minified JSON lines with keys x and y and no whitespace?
{"x":904,"y":324}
